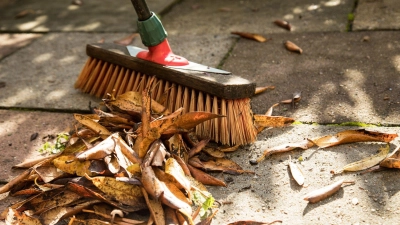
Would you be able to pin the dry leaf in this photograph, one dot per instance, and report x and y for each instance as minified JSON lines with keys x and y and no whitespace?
{"x":304,"y":144}
{"x":251,"y":36}
{"x":173,"y":168}
{"x":93,"y":125}
{"x":283,"y":24}
{"x":224,"y":165}
{"x":198,"y":147}
{"x":205,"y":178}
{"x":367,"y":162}
{"x":99,"y":151}
{"x":225,"y":9}
{"x":260,"y":90}
{"x":125,"y":193}
{"x":127,"y":40}
{"x":350,"y":136}
{"x":214,"y":152}
{"x":24,"y":13}
{"x":155,"y":208}
{"x":393,"y":160}
{"x":293,"y":47}
{"x":325,"y":192}
{"x":296,"y":172}
{"x":15,"y":217}
{"x":251,"y":222}
{"x":54,"y":215}
{"x":271,"y":121}
{"x":7,"y":187}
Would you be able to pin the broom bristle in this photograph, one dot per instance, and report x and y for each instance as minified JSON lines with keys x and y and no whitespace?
{"x":236,"y":128}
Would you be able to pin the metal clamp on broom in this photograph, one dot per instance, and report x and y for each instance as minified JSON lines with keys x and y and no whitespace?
{"x":187,"y":84}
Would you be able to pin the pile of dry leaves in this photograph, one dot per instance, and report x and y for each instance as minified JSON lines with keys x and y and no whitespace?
{"x":138,"y":157}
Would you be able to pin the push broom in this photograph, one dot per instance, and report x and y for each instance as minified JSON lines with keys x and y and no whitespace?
{"x":113,"y":68}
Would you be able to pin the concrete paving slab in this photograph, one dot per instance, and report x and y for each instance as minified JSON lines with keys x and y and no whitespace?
{"x":48,"y":15}
{"x":342,"y":76}
{"x":257,"y":16}
{"x":10,"y":43}
{"x":272,"y":194}
{"x":377,"y":15}
{"x":43,"y":74}
{"x":16,"y":128}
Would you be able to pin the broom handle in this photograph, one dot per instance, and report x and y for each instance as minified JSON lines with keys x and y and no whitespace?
{"x":141,"y":9}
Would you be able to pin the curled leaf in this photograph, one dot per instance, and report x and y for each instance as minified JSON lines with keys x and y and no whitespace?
{"x":271,"y":121}
{"x":325,"y":192}
{"x":393,"y":160}
{"x":251,"y":36}
{"x":367,"y":162}
{"x":283,"y":24}
{"x":350,"y":136}
{"x":293,"y":47}
{"x":260,"y":90}
{"x":296,"y":173}
{"x":205,"y":178}
{"x":127,"y":40}
{"x":304,"y":144}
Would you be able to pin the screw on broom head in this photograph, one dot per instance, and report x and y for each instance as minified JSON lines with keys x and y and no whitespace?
{"x":110,"y":67}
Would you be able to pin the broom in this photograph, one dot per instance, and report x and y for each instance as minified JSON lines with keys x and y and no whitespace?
{"x":113,"y":68}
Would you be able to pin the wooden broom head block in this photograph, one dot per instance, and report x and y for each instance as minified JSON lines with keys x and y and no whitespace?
{"x":219,"y":85}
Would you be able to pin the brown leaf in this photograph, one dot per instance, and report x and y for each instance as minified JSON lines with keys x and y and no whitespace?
{"x":15,"y":217}
{"x":293,"y":47}
{"x":251,"y":36}
{"x":24,"y":13}
{"x":170,"y":216}
{"x":123,"y":192}
{"x":101,"y":150}
{"x":155,"y":208}
{"x":214,"y":152}
{"x":224,"y":165}
{"x":351,"y":136}
{"x":157,"y":127}
{"x":7,"y":187}
{"x":260,"y":90}
{"x":324,"y":192}
{"x":283,"y":24}
{"x":127,"y":40}
{"x":182,"y":164}
{"x":190,"y":120}
{"x":69,"y":164}
{"x":271,"y":121}
{"x":150,"y":182}
{"x":296,"y":173}
{"x":225,"y":9}
{"x":392,"y":160}
{"x":304,"y":144}
{"x":93,"y":125}
{"x":173,"y":168}
{"x":251,"y":222}
{"x":49,"y":173}
{"x":198,"y":147}
{"x":54,"y":215}
{"x":205,"y":178}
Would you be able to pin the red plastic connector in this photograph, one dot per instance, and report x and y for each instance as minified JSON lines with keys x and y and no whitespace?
{"x":162,"y":54}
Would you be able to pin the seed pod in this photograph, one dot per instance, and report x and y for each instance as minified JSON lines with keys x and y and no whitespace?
{"x":293,"y":47}
{"x":283,"y":24}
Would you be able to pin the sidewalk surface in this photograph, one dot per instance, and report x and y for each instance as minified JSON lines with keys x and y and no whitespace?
{"x":348,"y":74}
